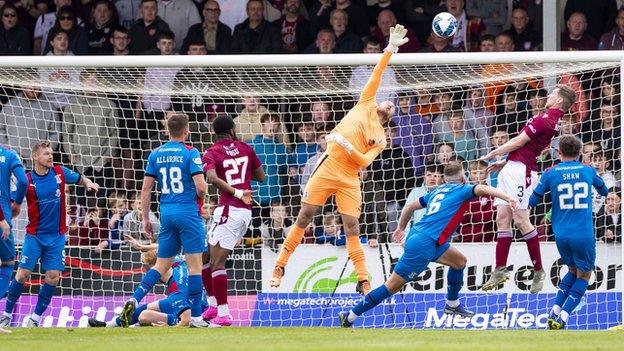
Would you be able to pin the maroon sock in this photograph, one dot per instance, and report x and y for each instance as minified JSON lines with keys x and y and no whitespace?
{"x":220,"y":285}
{"x":533,"y":244}
{"x":207,"y":279}
{"x":503,"y":244}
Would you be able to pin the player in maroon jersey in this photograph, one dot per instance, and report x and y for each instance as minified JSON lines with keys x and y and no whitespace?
{"x":518,"y":176}
{"x":230,"y":165}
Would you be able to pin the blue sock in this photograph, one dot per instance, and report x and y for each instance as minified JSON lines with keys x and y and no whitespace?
{"x":564,"y":288}
{"x":149,"y":280}
{"x":576,"y":293}
{"x":45,"y":295}
{"x":137,"y":313}
{"x":455,"y":281}
{"x":14,"y":293}
{"x":195,"y":288}
{"x":371,"y":300}
{"x":172,"y":319}
{"x":5,"y":279}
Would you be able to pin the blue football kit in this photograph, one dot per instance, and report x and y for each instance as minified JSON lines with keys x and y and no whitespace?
{"x":570,"y":184}
{"x":429,"y":238}
{"x":46,"y":229}
{"x":173,"y":165}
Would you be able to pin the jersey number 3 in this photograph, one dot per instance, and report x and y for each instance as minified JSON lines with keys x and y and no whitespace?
{"x":578,"y":194}
{"x":235,"y":170}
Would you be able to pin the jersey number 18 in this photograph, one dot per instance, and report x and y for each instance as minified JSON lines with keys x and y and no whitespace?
{"x":171,"y":182}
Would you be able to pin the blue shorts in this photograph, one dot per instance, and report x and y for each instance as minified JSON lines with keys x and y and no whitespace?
{"x":180,"y":231}
{"x":49,"y":248}
{"x":579,"y":253}
{"x":175,"y":304}
{"x":420,"y":250}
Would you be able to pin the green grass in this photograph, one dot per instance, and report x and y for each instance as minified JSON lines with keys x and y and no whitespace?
{"x":182,"y":339}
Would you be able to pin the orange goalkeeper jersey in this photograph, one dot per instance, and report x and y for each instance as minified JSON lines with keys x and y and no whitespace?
{"x":362,"y":128}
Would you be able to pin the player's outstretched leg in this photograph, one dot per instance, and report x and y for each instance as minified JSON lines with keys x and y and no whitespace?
{"x":504,"y":238}
{"x":533,"y":245}
{"x":6,"y":270}
{"x":13,"y":294}
{"x":562,"y":294}
{"x":293,"y":239}
{"x":456,"y":261}
{"x":147,"y":283}
{"x":372,"y":299}
{"x":574,"y":298}
{"x":211,"y":311}
{"x":351,"y":227}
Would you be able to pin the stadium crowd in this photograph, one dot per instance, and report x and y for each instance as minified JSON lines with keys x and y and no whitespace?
{"x":108,"y":137}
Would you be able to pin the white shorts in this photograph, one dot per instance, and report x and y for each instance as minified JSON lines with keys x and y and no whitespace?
{"x":230,"y":224}
{"x":513,"y":180}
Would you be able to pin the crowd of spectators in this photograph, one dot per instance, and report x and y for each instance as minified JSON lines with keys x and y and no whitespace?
{"x":107,"y":137}
{"x":121,"y":27}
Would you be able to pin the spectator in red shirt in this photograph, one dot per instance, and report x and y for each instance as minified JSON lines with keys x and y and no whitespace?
{"x":478,"y":222}
{"x":294,"y":28}
{"x":614,"y":39}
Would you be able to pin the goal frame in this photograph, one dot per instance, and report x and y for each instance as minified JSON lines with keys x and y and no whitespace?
{"x":545,"y":57}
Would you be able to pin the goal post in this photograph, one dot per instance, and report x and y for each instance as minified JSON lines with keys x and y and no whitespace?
{"x":104,"y":114}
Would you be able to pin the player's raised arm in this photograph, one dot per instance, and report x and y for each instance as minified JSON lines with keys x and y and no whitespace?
{"x":361,"y":159}
{"x":481,"y":190}
{"x":511,"y":145}
{"x":397,"y":38}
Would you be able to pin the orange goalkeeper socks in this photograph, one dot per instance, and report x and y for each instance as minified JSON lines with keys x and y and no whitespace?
{"x":356,"y":254}
{"x":293,"y":239}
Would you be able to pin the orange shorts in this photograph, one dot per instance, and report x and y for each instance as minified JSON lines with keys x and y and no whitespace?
{"x":326,"y":181}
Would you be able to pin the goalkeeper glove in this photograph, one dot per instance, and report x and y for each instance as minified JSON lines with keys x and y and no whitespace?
{"x":397,"y":38}
{"x":340,"y":140}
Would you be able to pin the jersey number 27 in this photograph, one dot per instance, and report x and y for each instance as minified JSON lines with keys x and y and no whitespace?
{"x":235,"y":170}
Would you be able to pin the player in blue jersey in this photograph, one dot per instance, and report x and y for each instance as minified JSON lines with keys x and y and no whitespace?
{"x":45,"y":232}
{"x":570,"y":185}
{"x":174,"y":310}
{"x":177,"y":168}
{"x":429,"y":241}
{"x":10,"y":164}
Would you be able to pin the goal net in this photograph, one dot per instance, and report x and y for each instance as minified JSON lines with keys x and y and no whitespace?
{"x":103,"y":118}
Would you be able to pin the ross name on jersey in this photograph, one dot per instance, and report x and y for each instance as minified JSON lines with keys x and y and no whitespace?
{"x":169,"y":159}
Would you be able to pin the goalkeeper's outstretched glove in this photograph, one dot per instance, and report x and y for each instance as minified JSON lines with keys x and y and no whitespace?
{"x":397,"y":38}
{"x":340,"y":140}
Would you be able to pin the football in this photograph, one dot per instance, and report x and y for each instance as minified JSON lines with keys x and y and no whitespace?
{"x":444,"y":25}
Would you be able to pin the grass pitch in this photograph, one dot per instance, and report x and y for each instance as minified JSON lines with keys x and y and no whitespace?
{"x":183,"y":339}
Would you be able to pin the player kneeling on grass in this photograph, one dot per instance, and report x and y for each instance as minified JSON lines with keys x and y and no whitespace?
{"x":172,"y":310}
{"x":570,"y":185}
{"x":429,"y":241}
{"x":45,"y":232}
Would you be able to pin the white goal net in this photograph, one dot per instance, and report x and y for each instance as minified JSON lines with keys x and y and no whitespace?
{"x":103,"y":121}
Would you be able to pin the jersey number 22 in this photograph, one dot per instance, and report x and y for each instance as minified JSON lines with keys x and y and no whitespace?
{"x":573,"y":197}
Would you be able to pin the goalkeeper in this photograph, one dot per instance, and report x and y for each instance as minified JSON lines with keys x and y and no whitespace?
{"x":355,"y":142}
